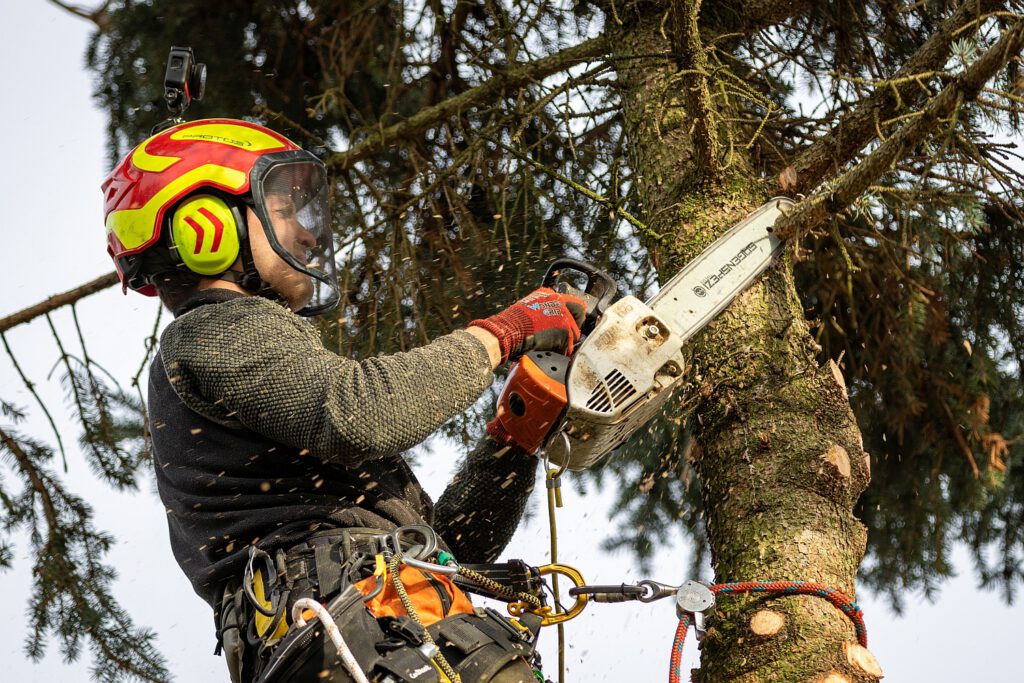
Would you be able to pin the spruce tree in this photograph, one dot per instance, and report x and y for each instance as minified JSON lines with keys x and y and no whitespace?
{"x":471,"y":142}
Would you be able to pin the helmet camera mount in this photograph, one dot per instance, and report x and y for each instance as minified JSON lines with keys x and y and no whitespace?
{"x":184,"y":81}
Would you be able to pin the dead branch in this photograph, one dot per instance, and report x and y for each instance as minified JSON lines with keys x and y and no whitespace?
{"x":99,"y":16}
{"x":760,"y":14}
{"x":58,"y":300}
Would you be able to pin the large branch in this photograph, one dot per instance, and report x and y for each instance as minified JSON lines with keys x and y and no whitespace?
{"x":853,"y":183}
{"x":699,"y":105}
{"x":515,"y":76}
{"x":57,"y":300}
{"x":858,"y":128}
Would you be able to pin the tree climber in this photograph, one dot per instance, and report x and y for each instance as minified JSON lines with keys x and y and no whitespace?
{"x":279,"y":462}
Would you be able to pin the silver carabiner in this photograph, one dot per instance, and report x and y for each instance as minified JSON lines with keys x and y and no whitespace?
{"x":415,"y":550}
{"x":655,"y":591}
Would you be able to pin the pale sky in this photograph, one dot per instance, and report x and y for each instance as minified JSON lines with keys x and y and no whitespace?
{"x":51,"y":170}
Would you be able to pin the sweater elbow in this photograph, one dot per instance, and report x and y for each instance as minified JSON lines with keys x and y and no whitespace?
{"x":358,"y":437}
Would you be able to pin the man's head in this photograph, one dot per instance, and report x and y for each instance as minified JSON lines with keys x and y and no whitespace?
{"x":222,"y":201}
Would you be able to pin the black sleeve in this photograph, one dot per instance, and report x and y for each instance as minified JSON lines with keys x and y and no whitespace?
{"x":482,"y":506}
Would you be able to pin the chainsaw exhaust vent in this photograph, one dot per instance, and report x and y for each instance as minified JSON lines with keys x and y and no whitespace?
{"x":611,"y":393}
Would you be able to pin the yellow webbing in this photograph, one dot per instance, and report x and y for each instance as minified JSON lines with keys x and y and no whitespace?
{"x":263,"y":622}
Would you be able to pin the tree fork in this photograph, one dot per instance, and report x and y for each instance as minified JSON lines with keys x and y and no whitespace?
{"x":774,"y":427}
{"x":856,"y":129}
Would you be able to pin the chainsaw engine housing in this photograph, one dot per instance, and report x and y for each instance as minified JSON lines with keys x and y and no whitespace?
{"x":618,"y":380}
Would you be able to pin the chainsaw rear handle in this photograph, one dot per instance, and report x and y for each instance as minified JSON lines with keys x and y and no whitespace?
{"x":598,"y":292}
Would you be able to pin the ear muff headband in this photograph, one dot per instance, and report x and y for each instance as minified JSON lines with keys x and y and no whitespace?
{"x":205,"y":234}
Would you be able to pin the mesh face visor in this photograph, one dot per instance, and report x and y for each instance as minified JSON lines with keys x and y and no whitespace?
{"x":290,"y":192}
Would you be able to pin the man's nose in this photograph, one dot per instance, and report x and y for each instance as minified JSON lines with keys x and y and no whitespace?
{"x":306,"y":238}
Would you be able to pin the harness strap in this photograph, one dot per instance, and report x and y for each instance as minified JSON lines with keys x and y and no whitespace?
{"x":328,"y":570}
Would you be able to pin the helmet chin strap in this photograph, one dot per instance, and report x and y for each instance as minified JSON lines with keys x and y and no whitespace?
{"x":249,"y":278}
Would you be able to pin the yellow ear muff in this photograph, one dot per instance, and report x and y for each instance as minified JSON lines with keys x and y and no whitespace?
{"x":205,"y":233}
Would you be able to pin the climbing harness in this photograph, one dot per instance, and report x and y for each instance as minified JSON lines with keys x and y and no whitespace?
{"x":351,"y":665}
{"x":417,"y":624}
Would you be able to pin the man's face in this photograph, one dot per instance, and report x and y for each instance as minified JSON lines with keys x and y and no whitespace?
{"x":295,"y":287}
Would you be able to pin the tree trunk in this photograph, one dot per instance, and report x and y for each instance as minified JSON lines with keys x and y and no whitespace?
{"x":780,"y":456}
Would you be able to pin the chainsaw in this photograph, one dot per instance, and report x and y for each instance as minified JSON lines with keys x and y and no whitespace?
{"x":578,"y":409}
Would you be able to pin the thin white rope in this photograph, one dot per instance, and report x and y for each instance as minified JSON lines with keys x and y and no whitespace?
{"x":332,"y":630}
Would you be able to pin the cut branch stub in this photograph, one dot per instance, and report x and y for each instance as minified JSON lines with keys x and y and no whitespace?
{"x":767,"y":623}
{"x":861,"y":659}
{"x":834,"y":677}
{"x":838,"y":375}
{"x":838,"y":460}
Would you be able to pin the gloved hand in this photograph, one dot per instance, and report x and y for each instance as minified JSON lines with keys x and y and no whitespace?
{"x":543,"y":321}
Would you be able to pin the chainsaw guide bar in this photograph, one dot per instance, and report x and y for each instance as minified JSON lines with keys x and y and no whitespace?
{"x":629,"y":365}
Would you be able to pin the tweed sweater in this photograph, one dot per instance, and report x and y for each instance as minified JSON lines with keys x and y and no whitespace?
{"x":262,"y":436}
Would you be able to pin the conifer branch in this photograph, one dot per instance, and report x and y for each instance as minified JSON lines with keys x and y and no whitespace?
{"x":515,"y":76}
{"x":582,"y":189}
{"x":858,"y":128}
{"x":853,"y":183}
{"x":67,"y":565}
{"x":58,"y":300}
{"x":32,"y":390}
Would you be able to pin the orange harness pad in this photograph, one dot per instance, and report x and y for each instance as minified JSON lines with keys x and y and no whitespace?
{"x":433,"y":596}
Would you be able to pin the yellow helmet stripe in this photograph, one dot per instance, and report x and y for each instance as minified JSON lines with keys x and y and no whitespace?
{"x":230,"y":134}
{"x":135,"y":227}
{"x":145,"y":161}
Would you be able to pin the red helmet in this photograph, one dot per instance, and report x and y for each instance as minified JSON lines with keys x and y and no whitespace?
{"x":182,"y":194}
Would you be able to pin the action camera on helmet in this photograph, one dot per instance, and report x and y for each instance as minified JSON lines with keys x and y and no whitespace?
{"x":184,"y":81}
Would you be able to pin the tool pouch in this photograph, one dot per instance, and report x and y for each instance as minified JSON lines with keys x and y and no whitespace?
{"x":231,"y":626}
{"x":479,"y":645}
{"x":308,"y":654}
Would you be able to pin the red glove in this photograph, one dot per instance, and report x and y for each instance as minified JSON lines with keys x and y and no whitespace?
{"x":543,"y":321}
{"x":497,"y":432}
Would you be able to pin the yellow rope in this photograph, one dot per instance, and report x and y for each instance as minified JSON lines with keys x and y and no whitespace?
{"x":481,"y":580}
{"x":396,"y":581}
{"x":553,"y":484}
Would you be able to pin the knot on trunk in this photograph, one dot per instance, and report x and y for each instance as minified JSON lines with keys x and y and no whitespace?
{"x":836,"y":462}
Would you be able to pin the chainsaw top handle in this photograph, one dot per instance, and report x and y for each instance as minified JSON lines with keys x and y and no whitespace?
{"x":597,"y":293}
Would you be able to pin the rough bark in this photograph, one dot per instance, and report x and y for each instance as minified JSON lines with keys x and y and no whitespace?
{"x":772,"y":424}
